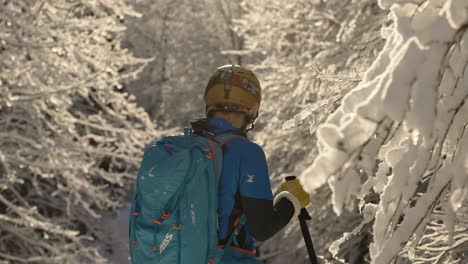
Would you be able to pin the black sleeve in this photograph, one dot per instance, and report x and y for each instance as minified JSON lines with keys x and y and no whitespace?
{"x":265,"y":220}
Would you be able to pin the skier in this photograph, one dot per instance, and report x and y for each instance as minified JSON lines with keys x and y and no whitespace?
{"x":232,"y":98}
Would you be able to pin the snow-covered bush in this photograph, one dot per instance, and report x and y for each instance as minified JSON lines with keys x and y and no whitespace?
{"x":403,"y":130}
{"x":70,"y":138}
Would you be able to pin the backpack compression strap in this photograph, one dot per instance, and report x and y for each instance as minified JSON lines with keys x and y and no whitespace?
{"x":232,"y":236}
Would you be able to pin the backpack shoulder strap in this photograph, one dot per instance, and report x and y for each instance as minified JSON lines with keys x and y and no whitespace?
{"x":224,"y":142}
{"x":224,"y":138}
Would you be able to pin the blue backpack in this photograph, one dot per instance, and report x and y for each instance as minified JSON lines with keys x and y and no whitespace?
{"x":173,"y":217}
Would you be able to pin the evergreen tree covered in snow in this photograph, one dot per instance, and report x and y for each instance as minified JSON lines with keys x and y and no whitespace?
{"x":70,"y":139}
{"x":401,"y":134}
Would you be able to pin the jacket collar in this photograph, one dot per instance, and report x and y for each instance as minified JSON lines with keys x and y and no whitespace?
{"x":219,"y":125}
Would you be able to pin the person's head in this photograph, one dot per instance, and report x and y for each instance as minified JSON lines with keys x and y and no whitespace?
{"x":233,"y":93}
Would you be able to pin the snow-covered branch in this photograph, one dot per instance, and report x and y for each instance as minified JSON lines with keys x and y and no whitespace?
{"x":420,"y":81}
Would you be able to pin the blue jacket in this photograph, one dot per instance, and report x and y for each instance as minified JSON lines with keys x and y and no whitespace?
{"x":244,"y":187}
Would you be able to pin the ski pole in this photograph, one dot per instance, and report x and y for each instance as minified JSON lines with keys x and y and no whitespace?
{"x":303,"y":217}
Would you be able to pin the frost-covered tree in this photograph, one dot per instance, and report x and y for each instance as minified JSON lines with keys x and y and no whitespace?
{"x":401,"y":135}
{"x":70,"y":139}
{"x":312,"y":53}
{"x":187,"y":40}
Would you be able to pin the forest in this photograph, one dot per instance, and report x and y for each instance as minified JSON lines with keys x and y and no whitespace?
{"x":364,"y":101}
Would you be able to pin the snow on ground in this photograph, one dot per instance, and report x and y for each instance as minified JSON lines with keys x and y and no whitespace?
{"x":116,"y":227}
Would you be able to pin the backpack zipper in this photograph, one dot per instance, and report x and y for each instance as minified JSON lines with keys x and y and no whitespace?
{"x":210,"y":200}
{"x":135,"y":212}
{"x":209,"y":217}
{"x":179,"y":241}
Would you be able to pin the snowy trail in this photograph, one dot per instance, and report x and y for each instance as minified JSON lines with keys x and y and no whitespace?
{"x":116,"y":227}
